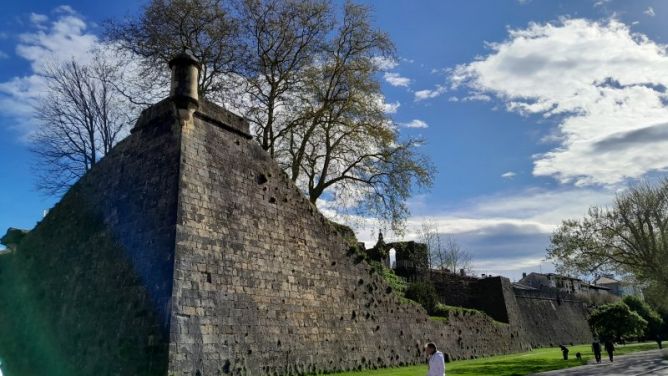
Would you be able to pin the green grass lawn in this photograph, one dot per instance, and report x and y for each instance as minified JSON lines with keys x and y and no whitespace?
{"x":508,"y":365}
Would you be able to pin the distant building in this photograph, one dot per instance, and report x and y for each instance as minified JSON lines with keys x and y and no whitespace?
{"x":523,"y":287}
{"x":619,"y":288}
{"x":560,"y":282}
{"x":551,"y":280}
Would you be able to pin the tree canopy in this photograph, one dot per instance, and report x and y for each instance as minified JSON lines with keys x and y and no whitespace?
{"x":305,"y":75}
{"x":644,"y":310}
{"x":616,"y":321}
{"x":628,"y":238}
{"x":167,"y":27}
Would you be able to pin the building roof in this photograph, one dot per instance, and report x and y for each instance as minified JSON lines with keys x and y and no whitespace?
{"x":521,"y":286}
{"x":593,"y":286}
{"x":546,"y":276}
{"x":561,"y":276}
{"x":605,"y":281}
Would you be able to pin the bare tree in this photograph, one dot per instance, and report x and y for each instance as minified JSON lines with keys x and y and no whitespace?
{"x":455,"y":258}
{"x":444,"y":251}
{"x":340,"y":140}
{"x":305,"y":79}
{"x":631,"y":237}
{"x":283,"y":38}
{"x":167,"y":27}
{"x":81,"y":118}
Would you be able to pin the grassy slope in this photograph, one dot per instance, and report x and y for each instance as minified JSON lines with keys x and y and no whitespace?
{"x":509,"y":365}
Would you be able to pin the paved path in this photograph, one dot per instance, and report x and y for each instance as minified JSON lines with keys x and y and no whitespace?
{"x":645,"y":363}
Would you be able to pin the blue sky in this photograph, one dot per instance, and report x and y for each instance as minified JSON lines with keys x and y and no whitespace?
{"x":533,"y":110}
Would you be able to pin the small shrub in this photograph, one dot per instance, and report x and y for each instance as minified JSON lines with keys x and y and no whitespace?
{"x":444,"y":310}
{"x":397,"y":284}
{"x":441,"y":310}
{"x":423,"y":293}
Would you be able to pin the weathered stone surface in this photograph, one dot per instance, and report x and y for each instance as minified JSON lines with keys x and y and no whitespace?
{"x":551,"y":320}
{"x":190,"y":249}
{"x":88,"y":292}
{"x":264,"y":285}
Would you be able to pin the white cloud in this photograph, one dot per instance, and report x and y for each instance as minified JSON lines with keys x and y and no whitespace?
{"x":388,"y":107}
{"x":66,"y":38}
{"x":65,"y":9}
{"x":650,"y":12}
{"x":477,"y":97}
{"x":395,"y":79}
{"x":391,"y":108}
{"x":384,"y":63}
{"x":430,"y":93}
{"x":536,"y":208}
{"x":605,"y":85}
{"x":506,"y":233}
{"x":508,"y":175}
{"x":415,"y":123}
{"x":38,"y":19}
{"x":52,"y":43}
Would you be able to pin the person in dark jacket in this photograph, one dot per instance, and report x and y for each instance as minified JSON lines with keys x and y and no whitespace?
{"x":564,"y":351}
{"x":610,"y":349}
{"x":596,"y":349}
{"x":659,"y":340}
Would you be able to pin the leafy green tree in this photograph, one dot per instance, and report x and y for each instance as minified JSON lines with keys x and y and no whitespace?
{"x":616,"y":321}
{"x":654,"y":320}
{"x":630,"y":237}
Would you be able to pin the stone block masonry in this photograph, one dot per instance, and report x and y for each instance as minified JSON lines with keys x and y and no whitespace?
{"x":188,"y":251}
{"x":88,"y":291}
{"x":264,"y":284}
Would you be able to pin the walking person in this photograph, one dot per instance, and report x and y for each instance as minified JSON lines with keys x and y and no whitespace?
{"x":435,"y":359}
{"x":610,"y":349}
{"x":564,"y":351}
{"x":596,"y":349}
{"x":659,"y":340}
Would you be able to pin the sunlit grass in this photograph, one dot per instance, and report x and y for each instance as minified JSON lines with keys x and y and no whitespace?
{"x":539,"y":360}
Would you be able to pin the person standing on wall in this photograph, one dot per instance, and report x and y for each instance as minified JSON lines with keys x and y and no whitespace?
{"x":596,"y":349}
{"x":435,"y":359}
{"x":610,"y":349}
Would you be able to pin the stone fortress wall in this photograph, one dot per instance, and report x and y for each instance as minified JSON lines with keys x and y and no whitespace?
{"x":88,"y":291}
{"x":545,"y":317}
{"x":188,"y":251}
{"x":264,"y":284}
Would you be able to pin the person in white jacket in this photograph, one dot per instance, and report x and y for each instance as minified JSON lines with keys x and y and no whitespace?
{"x":436,"y":360}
